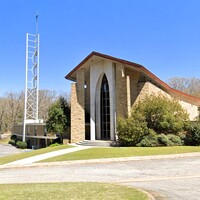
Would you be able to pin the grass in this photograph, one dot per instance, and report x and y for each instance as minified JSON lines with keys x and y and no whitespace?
{"x":115,"y":152}
{"x":95,"y":153}
{"x":73,"y":190}
{"x":18,"y":156}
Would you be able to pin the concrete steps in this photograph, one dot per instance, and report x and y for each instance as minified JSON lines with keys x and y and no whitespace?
{"x":99,"y":143}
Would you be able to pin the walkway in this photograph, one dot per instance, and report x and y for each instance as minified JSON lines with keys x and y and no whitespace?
{"x":33,"y":159}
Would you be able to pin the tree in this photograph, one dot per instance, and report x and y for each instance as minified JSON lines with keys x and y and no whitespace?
{"x":2,"y":114}
{"x":11,"y":110}
{"x":162,"y":114}
{"x":58,"y":116}
{"x":131,"y":130}
{"x":150,"y":120}
{"x":65,"y":106}
{"x":46,"y":99}
{"x":188,"y":85}
{"x":15,"y":107}
{"x":12,"y":107}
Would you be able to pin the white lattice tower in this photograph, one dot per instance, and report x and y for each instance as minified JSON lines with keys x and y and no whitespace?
{"x":32,"y":76}
{"x":32,"y":79}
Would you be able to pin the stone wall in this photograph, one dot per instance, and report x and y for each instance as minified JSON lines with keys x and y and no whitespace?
{"x":192,"y":110}
{"x":147,"y":88}
{"x":78,"y":108}
{"x":134,"y":78}
{"x":121,"y":91}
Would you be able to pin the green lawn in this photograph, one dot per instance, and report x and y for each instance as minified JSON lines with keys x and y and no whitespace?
{"x":101,"y":152}
{"x":18,"y":156}
{"x":76,"y":191}
{"x":123,"y":152}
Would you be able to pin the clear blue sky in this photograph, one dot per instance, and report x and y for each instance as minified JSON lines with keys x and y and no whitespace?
{"x":162,"y":35}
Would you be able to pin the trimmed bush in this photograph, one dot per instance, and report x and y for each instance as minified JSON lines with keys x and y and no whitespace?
{"x":12,"y":142}
{"x":21,"y":144}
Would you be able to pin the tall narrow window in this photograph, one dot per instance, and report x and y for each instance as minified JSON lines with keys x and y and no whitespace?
{"x":105,"y":109}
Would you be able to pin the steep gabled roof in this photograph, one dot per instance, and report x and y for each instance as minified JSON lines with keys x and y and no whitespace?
{"x":99,"y":56}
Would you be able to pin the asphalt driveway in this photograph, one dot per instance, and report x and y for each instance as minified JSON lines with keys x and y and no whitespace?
{"x":175,"y":178}
{"x":6,"y":149}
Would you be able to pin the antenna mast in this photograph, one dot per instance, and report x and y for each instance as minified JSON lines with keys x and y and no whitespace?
{"x":32,"y":79}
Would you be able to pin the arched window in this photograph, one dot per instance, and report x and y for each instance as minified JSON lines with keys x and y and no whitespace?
{"x":105,"y":109}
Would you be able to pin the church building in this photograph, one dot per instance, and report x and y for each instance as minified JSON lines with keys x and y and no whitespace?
{"x":105,"y":87}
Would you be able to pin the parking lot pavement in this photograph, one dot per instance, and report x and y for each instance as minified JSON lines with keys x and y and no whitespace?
{"x":6,"y":149}
{"x":172,"y":178}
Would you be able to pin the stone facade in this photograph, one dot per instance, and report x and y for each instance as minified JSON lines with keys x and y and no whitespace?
{"x":191,"y":109}
{"x":78,"y":108}
{"x":121,"y":91}
{"x":148,"y":88}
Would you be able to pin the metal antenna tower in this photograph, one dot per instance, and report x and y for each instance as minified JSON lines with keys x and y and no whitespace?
{"x":32,"y":79}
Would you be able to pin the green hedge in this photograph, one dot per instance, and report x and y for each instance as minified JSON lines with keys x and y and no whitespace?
{"x":21,"y":144}
{"x":160,"y":140}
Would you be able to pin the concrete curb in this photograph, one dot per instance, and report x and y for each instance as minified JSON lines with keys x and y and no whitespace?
{"x":148,"y":193}
{"x":105,"y":160}
{"x":153,"y":195}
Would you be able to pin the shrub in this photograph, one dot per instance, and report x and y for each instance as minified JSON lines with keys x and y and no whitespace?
{"x":193,"y":135}
{"x":174,"y":140}
{"x":157,"y":113}
{"x":131,"y":130}
{"x":14,"y":137}
{"x":12,"y":142}
{"x":148,"y":141}
{"x":154,"y":140}
{"x":162,"y":114}
{"x":163,"y":140}
{"x":54,"y":144}
{"x":21,"y":144}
